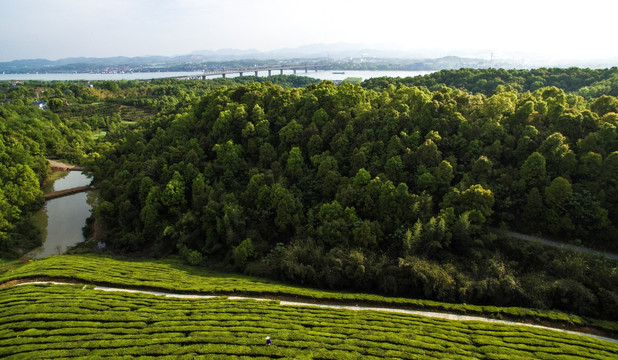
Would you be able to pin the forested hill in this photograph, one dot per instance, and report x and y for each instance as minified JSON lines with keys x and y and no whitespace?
{"x":28,"y":136}
{"x":389,"y":190}
{"x":588,"y":83}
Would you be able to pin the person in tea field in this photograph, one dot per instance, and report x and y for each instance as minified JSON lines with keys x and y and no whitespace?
{"x":268,"y":341}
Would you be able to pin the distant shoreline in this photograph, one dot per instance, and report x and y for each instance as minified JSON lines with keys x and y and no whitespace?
{"x":322,"y":74}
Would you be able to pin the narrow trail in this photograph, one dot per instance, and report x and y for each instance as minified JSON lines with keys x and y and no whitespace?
{"x":67,"y":192}
{"x":60,"y":166}
{"x":57,"y":165}
{"x":556,"y":244}
{"x":328,"y":306}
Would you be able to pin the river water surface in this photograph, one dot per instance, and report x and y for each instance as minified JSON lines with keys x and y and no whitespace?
{"x":322,"y":74}
{"x":61,"y":220}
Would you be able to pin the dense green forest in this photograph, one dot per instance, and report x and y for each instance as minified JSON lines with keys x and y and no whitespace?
{"x":587,"y":83}
{"x":28,"y":136}
{"x":79,"y":115}
{"x":381,"y":187}
{"x":390,"y":190}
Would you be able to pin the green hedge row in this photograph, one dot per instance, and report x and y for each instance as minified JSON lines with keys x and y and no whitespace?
{"x":172,"y":275}
{"x":59,"y":321}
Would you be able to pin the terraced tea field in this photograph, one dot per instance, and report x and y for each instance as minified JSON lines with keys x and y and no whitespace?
{"x":171,"y":275}
{"x":79,"y":322}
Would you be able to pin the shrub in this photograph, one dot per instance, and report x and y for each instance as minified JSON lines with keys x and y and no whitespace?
{"x":192,"y":257}
{"x":243,"y":252}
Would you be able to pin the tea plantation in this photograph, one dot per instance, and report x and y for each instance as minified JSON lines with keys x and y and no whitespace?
{"x":78,"y":322}
{"x":173,"y":276}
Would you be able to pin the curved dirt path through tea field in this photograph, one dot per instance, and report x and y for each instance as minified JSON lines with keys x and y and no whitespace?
{"x":432,"y":314}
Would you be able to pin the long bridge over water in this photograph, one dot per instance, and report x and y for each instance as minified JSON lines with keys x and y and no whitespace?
{"x":251,"y":69}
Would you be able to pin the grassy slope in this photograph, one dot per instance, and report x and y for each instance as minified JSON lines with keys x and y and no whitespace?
{"x":51,"y":321}
{"x":172,"y":275}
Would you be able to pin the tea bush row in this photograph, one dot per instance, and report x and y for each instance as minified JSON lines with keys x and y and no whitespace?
{"x":62,"y":321}
{"x":171,"y":275}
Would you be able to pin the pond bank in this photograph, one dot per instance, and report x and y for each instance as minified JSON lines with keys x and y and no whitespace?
{"x":62,"y":219}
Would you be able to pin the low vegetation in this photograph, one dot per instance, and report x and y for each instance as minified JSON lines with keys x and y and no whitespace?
{"x":173,"y":276}
{"x":54,"y":321}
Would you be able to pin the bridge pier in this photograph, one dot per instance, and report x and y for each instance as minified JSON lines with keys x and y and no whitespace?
{"x":256,"y":73}
{"x":223,"y":75}
{"x":240,"y":73}
{"x":305,"y":70}
{"x":294,"y":71}
{"x":281,"y":71}
{"x":269,"y":71}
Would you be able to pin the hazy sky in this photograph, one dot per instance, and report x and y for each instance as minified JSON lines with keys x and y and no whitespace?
{"x":66,"y":28}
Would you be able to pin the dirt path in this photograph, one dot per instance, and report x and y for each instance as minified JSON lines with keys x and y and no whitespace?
{"x":57,"y":165}
{"x":556,"y":244}
{"x":330,"y":306}
{"x":67,"y":192}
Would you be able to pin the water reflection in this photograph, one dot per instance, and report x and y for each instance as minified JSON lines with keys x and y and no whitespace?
{"x":61,"y":220}
{"x":62,"y":180}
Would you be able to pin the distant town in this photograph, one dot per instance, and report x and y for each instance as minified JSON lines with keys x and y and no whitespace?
{"x":122,"y":65}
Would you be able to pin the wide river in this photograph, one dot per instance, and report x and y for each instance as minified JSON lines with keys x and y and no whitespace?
{"x":61,"y":220}
{"x":324,"y":75}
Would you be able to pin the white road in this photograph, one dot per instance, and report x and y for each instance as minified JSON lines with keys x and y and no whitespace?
{"x":555,"y":244}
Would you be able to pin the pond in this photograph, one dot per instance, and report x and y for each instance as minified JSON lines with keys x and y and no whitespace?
{"x":61,"y":220}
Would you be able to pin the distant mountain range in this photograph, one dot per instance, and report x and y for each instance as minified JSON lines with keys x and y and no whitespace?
{"x":341,"y":55}
{"x":333,"y":51}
